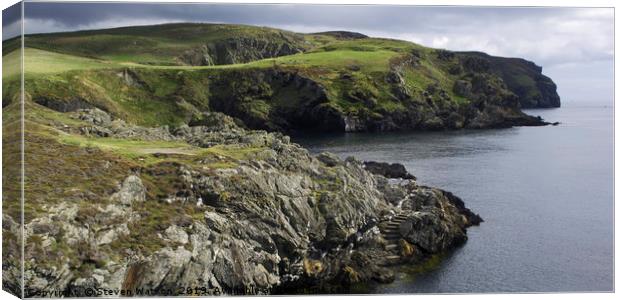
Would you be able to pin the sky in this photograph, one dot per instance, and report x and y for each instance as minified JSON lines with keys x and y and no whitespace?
{"x":575,"y":46}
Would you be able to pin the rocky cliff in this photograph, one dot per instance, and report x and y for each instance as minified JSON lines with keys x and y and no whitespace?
{"x":292,"y":100}
{"x":410,"y":70}
{"x":524,"y":78}
{"x":233,"y":211}
{"x":237,"y":50}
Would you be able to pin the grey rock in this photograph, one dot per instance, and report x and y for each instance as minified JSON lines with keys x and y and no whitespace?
{"x":130,"y":191}
{"x":329,"y":159}
{"x":277,"y":217}
{"x":393,"y":170}
{"x":95,"y":116}
{"x":176,"y":234}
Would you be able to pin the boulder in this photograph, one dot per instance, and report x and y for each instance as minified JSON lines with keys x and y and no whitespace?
{"x":93,"y":115}
{"x":130,"y":191}
{"x":176,"y":234}
{"x":427,"y":231}
{"x":394,"y":170}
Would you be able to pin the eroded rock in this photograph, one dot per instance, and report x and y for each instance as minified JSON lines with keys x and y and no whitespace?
{"x":276,"y":218}
{"x":393,"y":170}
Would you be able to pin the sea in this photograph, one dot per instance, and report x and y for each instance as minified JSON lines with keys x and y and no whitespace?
{"x":545,"y":194}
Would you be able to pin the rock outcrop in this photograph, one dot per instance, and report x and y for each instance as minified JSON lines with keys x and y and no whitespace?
{"x":394,"y":170}
{"x":256,"y":214}
{"x":523,"y":78}
{"x":242,"y":49}
{"x":288,"y":101}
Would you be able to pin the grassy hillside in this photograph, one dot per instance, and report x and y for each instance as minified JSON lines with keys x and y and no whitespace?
{"x":156,"y":45}
{"x":268,"y":78}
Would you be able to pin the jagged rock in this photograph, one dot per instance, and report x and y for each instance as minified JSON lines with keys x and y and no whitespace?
{"x":472,"y":218}
{"x":435,"y":220}
{"x":522,"y":77}
{"x":130,"y":191}
{"x":131,"y":78}
{"x":214,"y":121}
{"x":445,"y":55}
{"x":177,"y":234}
{"x":163,"y":270}
{"x":255,"y":221}
{"x":393,"y":194}
{"x":425,"y":230}
{"x":122,"y":130}
{"x":394,"y":170}
{"x":64,"y":105}
{"x":112,"y":234}
{"x":394,"y":77}
{"x":240,"y":49}
{"x":329,"y":159}
{"x":93,"y":115}
{"x":353,"y":124}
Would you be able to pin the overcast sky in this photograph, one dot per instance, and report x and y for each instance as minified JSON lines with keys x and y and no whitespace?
{"x":575,"y":46}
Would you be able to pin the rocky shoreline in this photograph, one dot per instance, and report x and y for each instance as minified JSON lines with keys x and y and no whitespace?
{"x":278,"y":221}
{"x":173,"y":168}
{"x":484,"y":92}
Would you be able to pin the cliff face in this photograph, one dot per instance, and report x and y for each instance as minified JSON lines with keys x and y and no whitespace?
{"x":238,"y":50}
{"x":215,"y":206}
{"x":288,"y":101}
{"x":524,"y":78}
{"x":291,"y":100}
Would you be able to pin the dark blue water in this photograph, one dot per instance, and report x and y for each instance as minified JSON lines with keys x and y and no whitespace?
{"x":545,"y":193}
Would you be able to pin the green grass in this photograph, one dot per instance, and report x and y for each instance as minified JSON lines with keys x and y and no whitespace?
{"x":45,"y":62}
{"x":141,"y":105}
{"x":40,"y":119}
{"x":154,"y":45}
{"x":130,"y":148}
{"x":39,"y":61}
{"x":369,"y":61}
{"x":11,"y":65}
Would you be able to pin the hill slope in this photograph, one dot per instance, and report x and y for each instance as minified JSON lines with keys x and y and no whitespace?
{"x":278,"y":80}
{"x":172,"y":44}
{"x":217,"y":44}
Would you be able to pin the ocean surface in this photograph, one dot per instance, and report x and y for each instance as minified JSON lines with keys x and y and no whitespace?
{"x":545,"y":193}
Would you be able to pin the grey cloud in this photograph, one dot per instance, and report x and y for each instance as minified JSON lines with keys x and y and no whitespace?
{"x":11,"y":21}
{"x":536,"y":31}
{"x":11,"y":14}
{"x":548,"y":36}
